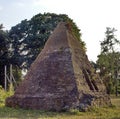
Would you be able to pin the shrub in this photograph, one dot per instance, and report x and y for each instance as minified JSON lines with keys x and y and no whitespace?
{"x":4,"y":94}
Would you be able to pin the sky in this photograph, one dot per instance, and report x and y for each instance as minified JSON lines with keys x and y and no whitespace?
{"x":91,"y":16}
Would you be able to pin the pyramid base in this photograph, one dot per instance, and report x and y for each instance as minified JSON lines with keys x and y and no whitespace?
{"x":50,"y":104}
{"x":59,"y":104}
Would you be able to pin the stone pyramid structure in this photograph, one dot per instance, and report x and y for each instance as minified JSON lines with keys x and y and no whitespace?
{"x":61,"y":77}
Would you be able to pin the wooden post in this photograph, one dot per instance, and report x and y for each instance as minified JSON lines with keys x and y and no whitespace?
{"x":116,"y":83}
{"x":5,"y":73}
{"x":11,"y":73}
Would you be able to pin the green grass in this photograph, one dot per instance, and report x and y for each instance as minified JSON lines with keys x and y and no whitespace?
{"x":112,"y":112}
{"x":103,"y":113}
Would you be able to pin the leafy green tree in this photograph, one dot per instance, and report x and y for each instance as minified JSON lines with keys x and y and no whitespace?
{"x":108,"y":59}
{"x":21,"y":45}
{"x":4,"y":58}
{"x":29,"y":36}
{"x":110,"y":41}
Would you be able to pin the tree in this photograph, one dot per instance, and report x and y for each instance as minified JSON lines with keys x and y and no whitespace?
{"x":29,"y":36}
{"x":108,"y":45}
{"x":4,"y":58}
{"x":108,"y":59}
{"x":1,"y":26}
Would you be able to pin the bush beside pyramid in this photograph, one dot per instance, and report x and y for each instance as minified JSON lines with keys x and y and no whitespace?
{"x":61,"y":77}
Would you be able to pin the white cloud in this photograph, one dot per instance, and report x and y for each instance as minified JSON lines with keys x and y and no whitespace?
{"x":19,"y":4}
{"x":1,"y":8}
{"x":91,"y":16}
{"x":36,"y":2}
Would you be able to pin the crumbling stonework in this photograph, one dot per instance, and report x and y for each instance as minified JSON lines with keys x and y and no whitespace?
{"x":61,"y":78}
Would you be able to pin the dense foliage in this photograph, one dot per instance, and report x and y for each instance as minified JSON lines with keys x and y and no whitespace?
{"x":4,"y":52}
{"x":29,"y":36}
{"x":23,"y":42}
{"x":4,"y":94}
{"x":108,"y":61}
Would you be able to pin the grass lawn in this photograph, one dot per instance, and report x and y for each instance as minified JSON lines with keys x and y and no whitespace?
{"x":96,"y":113}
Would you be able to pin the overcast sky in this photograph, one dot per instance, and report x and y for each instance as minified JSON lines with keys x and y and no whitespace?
{"x":91,"y":16}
